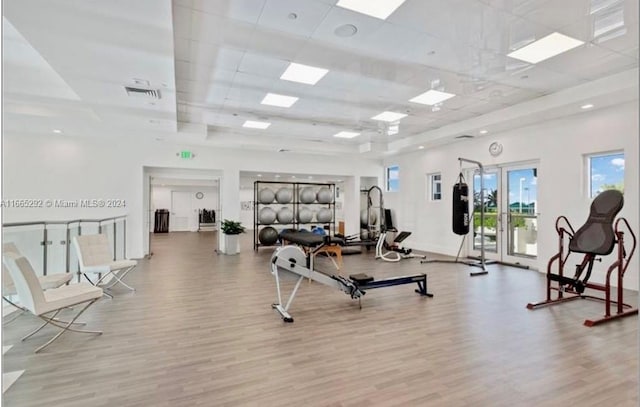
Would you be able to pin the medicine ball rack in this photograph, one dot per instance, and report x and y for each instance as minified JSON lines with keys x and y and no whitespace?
{"x":295,"y":205}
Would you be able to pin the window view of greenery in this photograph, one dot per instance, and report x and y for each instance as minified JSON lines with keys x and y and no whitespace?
{"x":393,"y":175}
{"x":489,"y":199}
{"x":606,"y":172}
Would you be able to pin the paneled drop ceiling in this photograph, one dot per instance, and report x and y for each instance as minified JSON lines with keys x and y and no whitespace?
{"x":214,"y":61}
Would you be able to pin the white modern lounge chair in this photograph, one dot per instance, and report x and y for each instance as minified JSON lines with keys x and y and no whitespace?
{"x":94,"y":255}
{"x":9,"y":288}
{"x":47,"y":304}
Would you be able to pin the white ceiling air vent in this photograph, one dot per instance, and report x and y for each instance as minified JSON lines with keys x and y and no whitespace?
{"x":143,"y":93}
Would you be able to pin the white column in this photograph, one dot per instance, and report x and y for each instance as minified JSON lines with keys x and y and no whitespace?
{"x":352,"y":205}
{"x":229,"y":200}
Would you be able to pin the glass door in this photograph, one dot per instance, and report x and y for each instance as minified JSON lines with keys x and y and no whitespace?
{"x":519,"y":215}
{"x":509,"y":224}
{"x":486,"y":226}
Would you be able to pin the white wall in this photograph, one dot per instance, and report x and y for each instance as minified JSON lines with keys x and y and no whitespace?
{"x":72,"y":168}
{"x":246,"y":215}
{"x":560,"y":147}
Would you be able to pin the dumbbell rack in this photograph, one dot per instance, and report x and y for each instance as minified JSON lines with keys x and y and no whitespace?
{"x":295,"y":206}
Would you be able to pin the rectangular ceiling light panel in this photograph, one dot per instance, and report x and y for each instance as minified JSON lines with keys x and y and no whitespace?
{"x":273,"y":99}
{"x":375,"y":8}
{"x":309,"y":75}
{"x":545,"y":48}
{"x":346,"y":134}
{"x":256,"y":125}
{"x":389,"y":116}
{"x":432,"y":97}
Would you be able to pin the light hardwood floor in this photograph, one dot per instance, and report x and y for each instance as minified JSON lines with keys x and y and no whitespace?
{"x":199,"y":331}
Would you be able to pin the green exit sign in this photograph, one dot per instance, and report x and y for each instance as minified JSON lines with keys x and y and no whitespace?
{"x":186,"y":155}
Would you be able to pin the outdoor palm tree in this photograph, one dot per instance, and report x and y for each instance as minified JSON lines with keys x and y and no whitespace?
{"x":492,"y":198}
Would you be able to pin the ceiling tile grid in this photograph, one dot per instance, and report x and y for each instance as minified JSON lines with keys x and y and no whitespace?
{"x":215,"y":60}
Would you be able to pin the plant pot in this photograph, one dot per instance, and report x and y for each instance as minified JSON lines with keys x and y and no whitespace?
{"x":231,"y":244}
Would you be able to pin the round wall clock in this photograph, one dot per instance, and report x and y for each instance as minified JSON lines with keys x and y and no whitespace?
{"x":199,"y":195}
{"x":495,"y":149}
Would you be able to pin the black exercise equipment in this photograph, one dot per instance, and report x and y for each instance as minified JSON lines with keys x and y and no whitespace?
{"x":292,"y":261}
{"x":374,"y":221}
{"x":481,"y":262}
{"x":460,"y":210}
{"x":599,"y":236}
{"x":161,"y":221}
{"x":395,"y":252}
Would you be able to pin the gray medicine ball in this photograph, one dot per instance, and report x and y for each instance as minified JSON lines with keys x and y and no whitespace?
{"x":324,"y":215}
{"x":268,"y":235}
{"x":373,"y":218}
{"x":284,"y":195}
{"x":305,"y":215}
{"x":266,"y":196}
{"x":324,"y":195}
{"x":267,"y":216}
{"x":285,"y":215}
{"x":307,"y":195}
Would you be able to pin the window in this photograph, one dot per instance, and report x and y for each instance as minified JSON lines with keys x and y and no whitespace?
{"x":393,"y":174}
{"x":606,"y":171}
{"x":435,"y":187}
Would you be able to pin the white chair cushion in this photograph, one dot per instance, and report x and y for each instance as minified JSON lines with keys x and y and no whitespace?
{"x":122,"y":264}
{"x":95,"y":249}
{"x":46,"y":282}
{"x":110,"y":266}
{"x":68,"y":295}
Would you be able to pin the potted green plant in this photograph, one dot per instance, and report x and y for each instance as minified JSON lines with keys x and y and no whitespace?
{"x":231,"y":230}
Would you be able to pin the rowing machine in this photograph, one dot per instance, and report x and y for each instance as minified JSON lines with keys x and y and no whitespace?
{"x":291,"y":261}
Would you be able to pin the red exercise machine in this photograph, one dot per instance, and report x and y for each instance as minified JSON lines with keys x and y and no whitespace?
{"x":599,"y":236}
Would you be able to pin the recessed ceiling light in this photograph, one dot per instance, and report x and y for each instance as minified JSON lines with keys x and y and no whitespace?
{"x":346,"y":31}
{"x":310,"y":177}
{"x":259,"y":175}
{"x":375,"y":8}
{"x":256,"y":125}
{"x":346,"y":134}
{"x":309,"y":75}
{"x":484,"y":131}
{"x":545,"y":48}
{"x":57,"y":131}
{"x":432,"y":97}
{"x":273,"y":99}
{"x":587,"y":106}
{"x":421,"y":148}
{"x":293,"y":176}
{"x":389,"y":116}
{"x":277,"y":176}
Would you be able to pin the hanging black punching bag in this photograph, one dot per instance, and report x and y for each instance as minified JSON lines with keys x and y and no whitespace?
{"x":460,"y":207}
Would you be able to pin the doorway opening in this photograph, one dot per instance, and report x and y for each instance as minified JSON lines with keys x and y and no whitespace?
{"x":181,"y":201}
